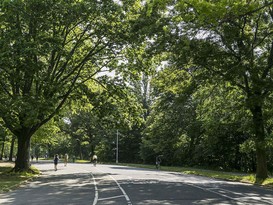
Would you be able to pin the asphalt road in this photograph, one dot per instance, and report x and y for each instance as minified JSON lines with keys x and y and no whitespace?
{"x":111,"y":184}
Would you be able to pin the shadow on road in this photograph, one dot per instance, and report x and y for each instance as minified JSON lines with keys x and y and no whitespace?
{"x":55,"y":189}
{"x":74,"y":185}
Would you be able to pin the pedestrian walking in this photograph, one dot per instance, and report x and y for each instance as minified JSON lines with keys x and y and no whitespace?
{"x":158,"y":161}
{"x":65,"y":159}
{"x":56,"y":161}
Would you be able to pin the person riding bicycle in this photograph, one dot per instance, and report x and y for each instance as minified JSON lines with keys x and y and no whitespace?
{"x":95,"y":158}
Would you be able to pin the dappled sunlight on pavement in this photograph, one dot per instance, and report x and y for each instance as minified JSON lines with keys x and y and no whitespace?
{"x":112,"y":184}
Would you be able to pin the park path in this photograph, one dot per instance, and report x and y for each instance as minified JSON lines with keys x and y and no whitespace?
{"x":78,"y":184}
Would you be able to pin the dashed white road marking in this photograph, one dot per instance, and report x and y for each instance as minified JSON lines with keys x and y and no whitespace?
{"x":121,"y":189}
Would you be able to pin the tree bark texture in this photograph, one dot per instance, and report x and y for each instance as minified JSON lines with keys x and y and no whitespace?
{"x":260,"y":143}
{"x":22,"y":159}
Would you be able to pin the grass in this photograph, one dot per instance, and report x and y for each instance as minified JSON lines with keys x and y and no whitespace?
{"x":82,"y":161}
{"x":232,"y":176}
{"x":70,"y":160}
{"x":11,"y":180}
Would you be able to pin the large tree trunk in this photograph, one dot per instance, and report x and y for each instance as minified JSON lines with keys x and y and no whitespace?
{"x":22,"y":159}
{"x":260,"y":143}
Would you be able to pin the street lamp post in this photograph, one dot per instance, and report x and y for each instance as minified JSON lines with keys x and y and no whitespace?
{"x":117,"y":148}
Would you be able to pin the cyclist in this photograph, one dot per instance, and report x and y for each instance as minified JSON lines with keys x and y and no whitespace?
{"x":95,"y":158}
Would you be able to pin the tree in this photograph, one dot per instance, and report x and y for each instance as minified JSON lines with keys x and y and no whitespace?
{"x":106,"y":107}
{"x":48,"y":48}
{"x":172,"y":128}
{"x":45,"y":137}
{"x":225,"y":124}
{"x":228,"y":41}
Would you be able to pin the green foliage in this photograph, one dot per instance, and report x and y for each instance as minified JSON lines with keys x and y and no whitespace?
{"x":46,"y":134}
{"x":95,"y":114}
{"x":50,"y":48}
{"x":169,"y":127}
{"x":225,"y":43}
{"x":47,"y":48}
{"x":190,"y":80}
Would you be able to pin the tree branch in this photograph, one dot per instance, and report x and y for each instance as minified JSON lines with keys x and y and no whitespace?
{"x":269,"y":62}
{"x":267,"y":4}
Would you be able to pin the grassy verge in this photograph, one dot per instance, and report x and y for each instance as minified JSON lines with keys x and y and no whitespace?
{"x":10,"y":180}
{"x":232,"y":176}
{"x":82,"y":161}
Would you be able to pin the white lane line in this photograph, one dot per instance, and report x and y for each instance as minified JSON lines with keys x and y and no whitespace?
{"x":210,"y":190}
{"x":220,"y":194}
{"x":96,"y":190}
{"x":223,"y":192}
{"x":95,"y":201}
{"x":121,"y":189}
{"x":113,"y":197}
{"x":242,"y":196}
